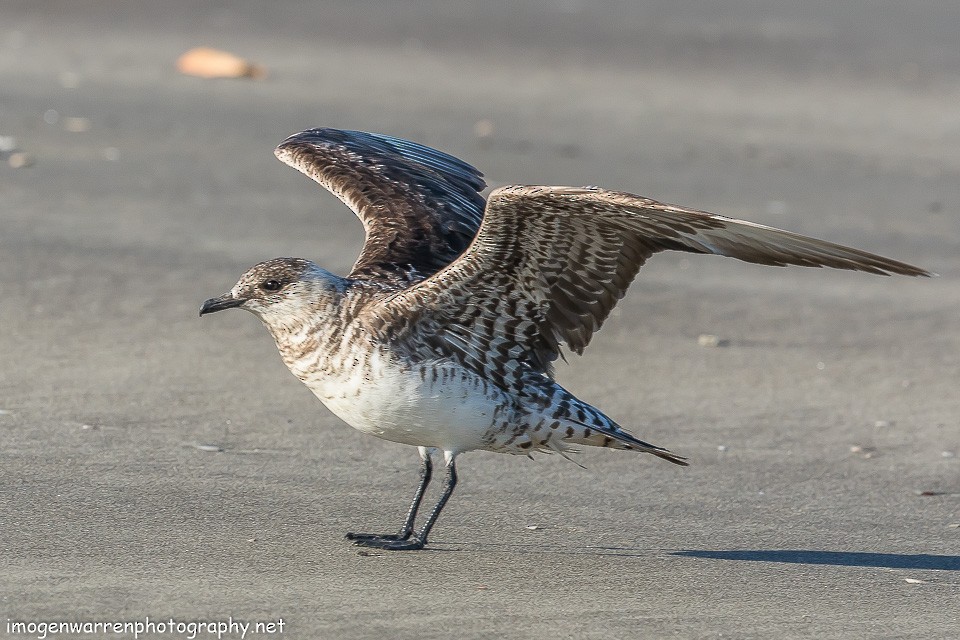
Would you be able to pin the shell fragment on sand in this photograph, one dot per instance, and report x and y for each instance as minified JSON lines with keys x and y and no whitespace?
{"x":204,"y":62}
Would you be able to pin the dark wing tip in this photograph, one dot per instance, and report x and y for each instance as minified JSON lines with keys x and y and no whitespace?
{"x":384,"y":146}
{"x":675,"y":459}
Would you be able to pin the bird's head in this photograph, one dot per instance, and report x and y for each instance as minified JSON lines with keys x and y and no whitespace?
{"x":282,"y":292}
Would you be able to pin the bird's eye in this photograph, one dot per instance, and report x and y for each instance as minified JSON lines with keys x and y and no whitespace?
{"x":271,"y":285}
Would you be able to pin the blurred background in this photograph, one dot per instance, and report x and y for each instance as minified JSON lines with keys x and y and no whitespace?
{"x":131,"y":191}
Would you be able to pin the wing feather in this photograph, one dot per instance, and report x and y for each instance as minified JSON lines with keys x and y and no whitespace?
{"x":420,"y":207}
{"x":558,"y":259}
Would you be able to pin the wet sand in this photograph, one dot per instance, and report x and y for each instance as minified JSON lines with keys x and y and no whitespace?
{"x":158,"y":465}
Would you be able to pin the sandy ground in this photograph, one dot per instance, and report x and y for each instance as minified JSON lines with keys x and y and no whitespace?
{"x":812,"y":436}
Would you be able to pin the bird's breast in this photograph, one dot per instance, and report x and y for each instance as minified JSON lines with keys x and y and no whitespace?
{"x":434,"y":403}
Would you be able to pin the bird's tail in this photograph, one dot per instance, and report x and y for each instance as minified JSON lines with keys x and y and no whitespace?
{"x":580,"y":423}
{"x":614,"y":437}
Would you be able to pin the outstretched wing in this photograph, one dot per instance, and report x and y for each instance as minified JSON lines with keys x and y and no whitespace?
{"x":420,"y":207}
{"x":549,"y":264}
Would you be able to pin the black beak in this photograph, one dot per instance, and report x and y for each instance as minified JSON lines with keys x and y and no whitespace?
{"x":226,"y":301}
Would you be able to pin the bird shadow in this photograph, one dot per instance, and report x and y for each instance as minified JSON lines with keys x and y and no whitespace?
{"x":834,"y":558}
{"x":785,"y":556}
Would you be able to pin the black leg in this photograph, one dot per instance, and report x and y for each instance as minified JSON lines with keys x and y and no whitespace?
{"x":419,"y":540}
{"x":426,"y":471}
{"x":449,"y":485}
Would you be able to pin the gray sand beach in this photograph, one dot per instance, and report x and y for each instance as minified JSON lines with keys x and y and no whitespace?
{"x":156,"y":465}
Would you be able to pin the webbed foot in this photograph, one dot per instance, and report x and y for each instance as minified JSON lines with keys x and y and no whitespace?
{"x":359,"y":538}
{"x":390,"y":543}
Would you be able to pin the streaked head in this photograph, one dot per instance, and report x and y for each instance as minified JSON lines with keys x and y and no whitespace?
{"x":280,"y":290}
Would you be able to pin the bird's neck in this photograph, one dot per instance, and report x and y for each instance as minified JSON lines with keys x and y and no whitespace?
{"x":318,"y":340}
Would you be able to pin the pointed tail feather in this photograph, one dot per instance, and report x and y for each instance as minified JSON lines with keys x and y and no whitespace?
{"x":593,"y":428}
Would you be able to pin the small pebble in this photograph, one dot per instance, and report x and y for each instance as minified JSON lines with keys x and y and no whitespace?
{"x":8,"y":144}
{"x":954,"y":525}
{"x":776,"y":207}
{"x":882,"y":424}
{"x":709,"y":340}
{"x":5,"y":412}
{"x":914,"y":581}
{"x":20,"y":159}
{"x":483,"y":128}
{"x":76,"y":125}
{"x":721,"y":447}
{"x":947,"y":454}
{"x":213,"y":448}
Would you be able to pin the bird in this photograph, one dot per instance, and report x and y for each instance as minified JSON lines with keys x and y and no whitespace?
{"x":445,"y":332}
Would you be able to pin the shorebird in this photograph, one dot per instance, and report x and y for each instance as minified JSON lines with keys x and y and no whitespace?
{"x":443,"y":334}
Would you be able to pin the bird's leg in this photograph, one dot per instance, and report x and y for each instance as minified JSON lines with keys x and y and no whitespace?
{"x":426,"y":471}
{"x":419,"y":540}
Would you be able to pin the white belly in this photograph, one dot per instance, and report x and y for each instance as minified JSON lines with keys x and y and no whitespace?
{"x":438,"y":405}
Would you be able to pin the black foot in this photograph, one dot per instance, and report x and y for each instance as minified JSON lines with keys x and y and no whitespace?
{"x":390,"y":543}
{"x":359,"y":537}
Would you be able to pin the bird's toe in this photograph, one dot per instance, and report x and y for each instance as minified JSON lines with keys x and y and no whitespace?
{"x":390,"y":543}
{"x":359,"y":537}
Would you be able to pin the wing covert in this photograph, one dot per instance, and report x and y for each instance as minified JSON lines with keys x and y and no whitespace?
{"x":550,"y":263}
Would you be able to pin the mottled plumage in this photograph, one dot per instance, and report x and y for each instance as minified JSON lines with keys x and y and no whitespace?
{"x":443,"y":334}
{"x":420,"y":207}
